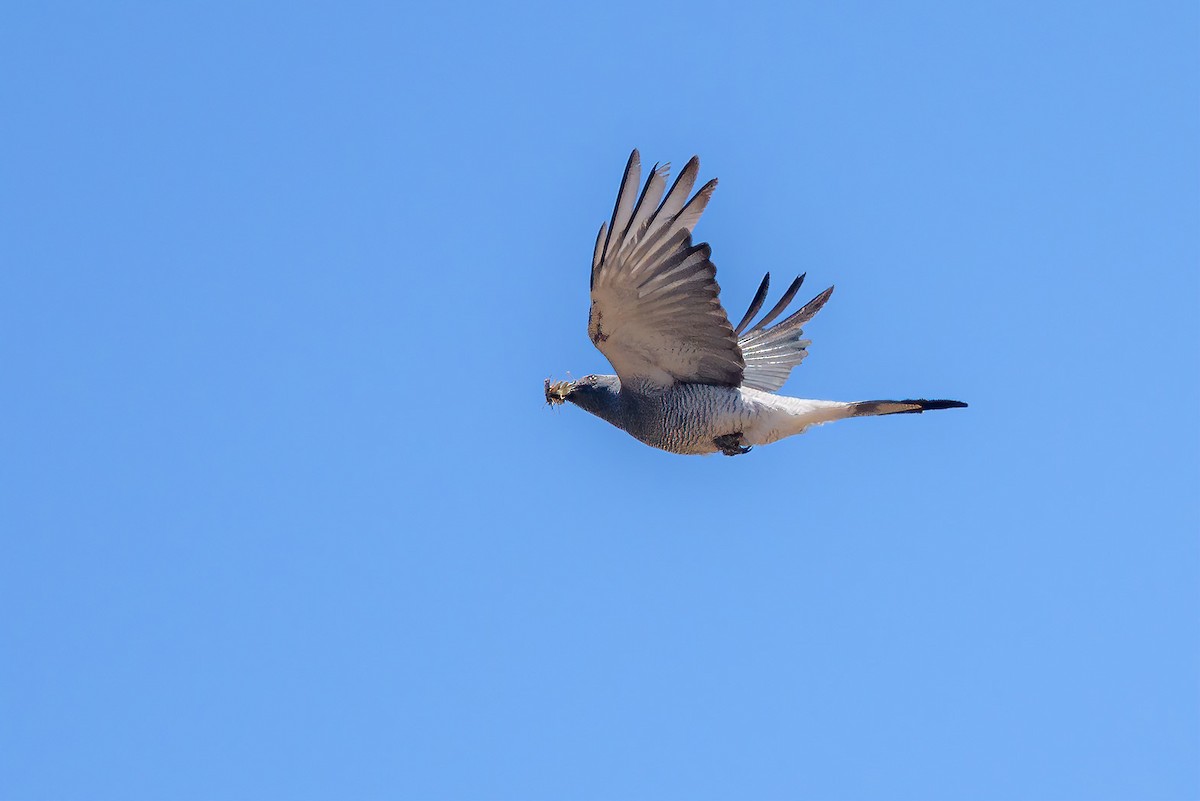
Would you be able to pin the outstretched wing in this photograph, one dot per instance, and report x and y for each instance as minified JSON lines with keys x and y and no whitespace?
{"x":655,"y":312}
{"x":771,"y":353}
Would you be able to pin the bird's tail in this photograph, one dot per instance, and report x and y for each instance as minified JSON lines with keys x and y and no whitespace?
{"x":781,"y":416}
{"x":878,"y":407}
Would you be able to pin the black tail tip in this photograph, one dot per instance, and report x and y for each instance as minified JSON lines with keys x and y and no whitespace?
{"x":906,"y":406}
{"x":930,"y":405}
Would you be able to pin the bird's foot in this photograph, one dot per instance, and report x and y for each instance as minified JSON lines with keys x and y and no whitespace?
{"x":731,"y":444}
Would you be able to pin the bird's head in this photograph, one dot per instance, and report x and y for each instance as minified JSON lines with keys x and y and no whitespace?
{"x":592,"y":392}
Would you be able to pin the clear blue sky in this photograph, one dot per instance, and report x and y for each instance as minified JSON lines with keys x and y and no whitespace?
{"x":285,"y":516}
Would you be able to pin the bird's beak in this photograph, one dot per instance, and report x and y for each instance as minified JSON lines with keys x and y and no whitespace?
{"x":557,"y":391}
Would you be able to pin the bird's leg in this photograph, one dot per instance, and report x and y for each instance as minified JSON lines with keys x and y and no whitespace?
{"x":731,"y":444}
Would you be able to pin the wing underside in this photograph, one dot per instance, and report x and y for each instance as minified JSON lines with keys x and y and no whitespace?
{"x":656,"y":313}
{"x":772,"y":352}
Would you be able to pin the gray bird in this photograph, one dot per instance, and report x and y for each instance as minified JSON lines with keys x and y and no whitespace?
{"x":687,"y":381}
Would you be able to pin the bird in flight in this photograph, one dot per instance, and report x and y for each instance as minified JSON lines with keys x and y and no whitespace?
{"x":687,"y":380}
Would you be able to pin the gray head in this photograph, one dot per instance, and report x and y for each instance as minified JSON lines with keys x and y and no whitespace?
{"x":598,"y":394}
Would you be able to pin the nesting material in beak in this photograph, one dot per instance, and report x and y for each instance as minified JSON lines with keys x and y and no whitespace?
{"x":557,"y":391}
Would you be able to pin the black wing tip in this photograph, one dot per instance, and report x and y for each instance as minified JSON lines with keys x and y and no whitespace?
{"x":780,"y":307}
{"x":755,"y":305}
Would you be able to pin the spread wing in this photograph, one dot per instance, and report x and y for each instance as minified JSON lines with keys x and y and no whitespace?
{"x":772,"y":353}
{"x":655,"y":313}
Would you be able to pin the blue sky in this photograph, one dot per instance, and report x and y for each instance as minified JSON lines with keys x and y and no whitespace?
{"x":285,"y":516}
